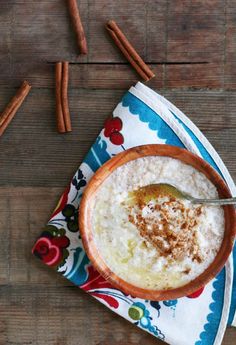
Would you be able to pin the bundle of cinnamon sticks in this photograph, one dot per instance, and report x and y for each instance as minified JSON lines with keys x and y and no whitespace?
{"x":62,"y":107}
{"x":128,"y":50}
{"x":117,"y":35}
{"x":62,"y":73}
{"x":10,"y":110}
{"x":78,"y":27}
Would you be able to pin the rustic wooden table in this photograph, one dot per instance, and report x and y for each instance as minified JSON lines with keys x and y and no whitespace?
{"x":191,"y":45}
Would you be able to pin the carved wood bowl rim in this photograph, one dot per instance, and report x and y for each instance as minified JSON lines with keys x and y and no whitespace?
{"x":93,"y":253}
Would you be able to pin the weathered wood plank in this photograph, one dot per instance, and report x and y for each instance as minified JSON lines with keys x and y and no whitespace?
{"x":59,"y":315}
{"x":5,"y":41}
{"x":230,"y":58}
{"x":208,"y":76}
{"x":32,"y":154}
{"x":23,"y":214}
{"x":197,"y":31}
{"x":42,"y":30}
{"x":19,"y":238}
{"x":212,"y":110}
{"x":156,"y":36}
{"x":4,"y":244}
{"x":89,"y":108}
{"x":102,"y":48}
{"x":162,"y":34}
{"x":190,"y":33}
{"x":56,"y":315}
{"x":198,"y":7}
{"x":95,"y":76}
{"x":103,"y":76}
{"x":48,"y":23}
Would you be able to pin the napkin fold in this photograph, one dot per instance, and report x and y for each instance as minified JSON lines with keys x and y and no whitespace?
{"x":142,"y":117}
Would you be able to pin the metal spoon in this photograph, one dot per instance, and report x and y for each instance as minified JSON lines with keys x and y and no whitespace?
{"x":152,"y":190}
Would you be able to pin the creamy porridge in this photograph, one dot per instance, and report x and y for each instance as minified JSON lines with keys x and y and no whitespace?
{"x":155,"y":240}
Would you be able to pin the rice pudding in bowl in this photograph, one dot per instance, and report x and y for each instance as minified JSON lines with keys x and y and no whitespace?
{"x":152,"y":240}
{"x":156,"y":241}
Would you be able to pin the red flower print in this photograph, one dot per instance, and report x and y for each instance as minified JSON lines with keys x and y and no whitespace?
{"x":112,"y":125}
{"x":112,"y":130}
{"x":109,"y":299}
{"x":61,"y":242}
{"x":50,"y":250}
{"x":117,"y":138}
{"x":196,"y":293}
{"x":96,"y":282}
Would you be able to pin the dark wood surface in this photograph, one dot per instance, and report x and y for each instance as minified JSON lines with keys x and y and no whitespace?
{"x":191,"y":46}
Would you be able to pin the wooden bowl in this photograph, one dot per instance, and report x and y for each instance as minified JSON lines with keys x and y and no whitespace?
{"x":87,"y":234}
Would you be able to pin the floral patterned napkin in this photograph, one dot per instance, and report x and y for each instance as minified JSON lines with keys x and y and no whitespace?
{"x":142,"y":117}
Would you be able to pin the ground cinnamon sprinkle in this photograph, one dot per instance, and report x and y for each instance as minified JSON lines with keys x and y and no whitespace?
{"x":169,"y":226}
{"x":187,"y":271}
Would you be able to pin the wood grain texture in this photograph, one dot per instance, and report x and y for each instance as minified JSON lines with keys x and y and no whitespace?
{"x":165,"y":33}
{"x":189,"y":44}
{"x":29,"y":153}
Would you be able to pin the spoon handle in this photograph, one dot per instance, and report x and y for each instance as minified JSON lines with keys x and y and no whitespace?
{"x":230,"y":201}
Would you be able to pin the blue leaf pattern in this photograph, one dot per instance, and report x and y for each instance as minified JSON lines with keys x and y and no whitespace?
{"x":155,"y":122}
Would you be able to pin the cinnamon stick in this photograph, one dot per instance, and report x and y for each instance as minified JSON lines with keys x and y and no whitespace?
{"x":59,"y":112}
{"x":64,"y":95}
{"x":62,"y":106}
{"x":128,"y":50}
{"x":12,"y":107}
{"x":78,"y":27}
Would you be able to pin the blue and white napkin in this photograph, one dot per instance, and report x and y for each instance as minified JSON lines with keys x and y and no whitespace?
{"x":142,"y":117}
